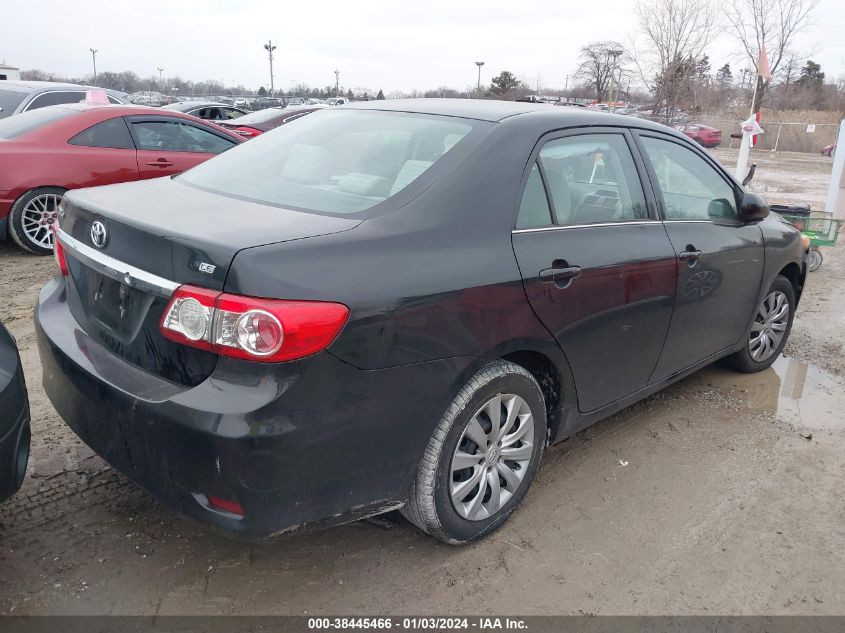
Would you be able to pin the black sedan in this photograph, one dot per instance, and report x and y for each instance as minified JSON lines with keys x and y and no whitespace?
{"x":14,"y":418}
{"x":208,"y":110}
{"x":400,"y":304}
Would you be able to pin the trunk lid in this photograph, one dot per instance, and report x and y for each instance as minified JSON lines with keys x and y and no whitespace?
{"x":160,"y":234}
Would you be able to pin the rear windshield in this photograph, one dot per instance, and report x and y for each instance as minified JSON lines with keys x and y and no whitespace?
{"x":25,"y":122}
{"x":262,"y":115}
{"x":339,"y":162}
{"x":9,"y":100}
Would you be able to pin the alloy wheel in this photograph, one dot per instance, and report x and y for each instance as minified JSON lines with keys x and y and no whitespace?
{"x":492,"y":457}
{"x":769,"y":326}
{"x":38,"y":217}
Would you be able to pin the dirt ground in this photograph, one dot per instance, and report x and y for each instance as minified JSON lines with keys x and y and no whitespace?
{"x":720,"y":495}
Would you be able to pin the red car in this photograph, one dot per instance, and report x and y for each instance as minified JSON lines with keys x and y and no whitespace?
{"x":704,"y":135}
{"x":256,"y":123}
{"x":45,"y":152}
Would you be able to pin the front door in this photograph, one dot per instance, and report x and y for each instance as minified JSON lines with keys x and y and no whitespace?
{"x":170,"y":146}
{"x":720,"y":259}
{"x":597,"y":266}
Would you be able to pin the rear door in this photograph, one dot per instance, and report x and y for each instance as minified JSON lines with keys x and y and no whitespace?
{"x":597,"y":266}
{"x":168,"y":146}
{"x":720,"y":259}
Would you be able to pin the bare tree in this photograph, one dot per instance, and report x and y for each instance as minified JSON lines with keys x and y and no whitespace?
{"x":599,"y":67}
{"x":774,"y":23}
{"x":676,"y":34}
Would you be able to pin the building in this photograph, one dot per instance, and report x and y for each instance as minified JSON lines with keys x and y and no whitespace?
{"x":9,"y":72}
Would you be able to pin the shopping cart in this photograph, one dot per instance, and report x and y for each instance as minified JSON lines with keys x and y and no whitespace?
{"x":822,"y":231}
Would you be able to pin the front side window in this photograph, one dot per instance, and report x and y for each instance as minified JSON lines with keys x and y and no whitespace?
{"x":592,"y":178}
{"x":692,"y":188}
{"x":175,"y":136}
{"x":112,"y":133}
{"x":55,"y":98}
{"x":335,"y":161}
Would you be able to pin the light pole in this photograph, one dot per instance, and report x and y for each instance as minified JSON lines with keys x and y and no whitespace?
{"x":270,"y":48}
{"x":336,"y":82}
{"x":94,"y":58}
{"x":479,"y":64}
{"x":614,"y":53}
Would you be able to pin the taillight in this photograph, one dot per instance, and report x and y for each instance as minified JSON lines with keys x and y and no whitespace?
{"x":269,"y":330}
{"x":247,"y":132}
{"x":58,"y":250}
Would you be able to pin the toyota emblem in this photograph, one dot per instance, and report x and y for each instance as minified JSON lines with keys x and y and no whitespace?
{"x":98,"y":234}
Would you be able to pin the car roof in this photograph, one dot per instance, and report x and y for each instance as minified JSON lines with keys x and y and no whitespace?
{"x":184,"y":106}
{"x":495,"y":111}
{"x":40,"y":86}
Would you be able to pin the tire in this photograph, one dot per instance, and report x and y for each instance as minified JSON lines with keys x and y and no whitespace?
{"x":431,"y":505}
{"x":744,"y":360}
{"x":815,"y":259}
{"x":26,"y":229}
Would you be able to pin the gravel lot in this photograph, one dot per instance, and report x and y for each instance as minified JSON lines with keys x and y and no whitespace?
{"x":722,"y":494}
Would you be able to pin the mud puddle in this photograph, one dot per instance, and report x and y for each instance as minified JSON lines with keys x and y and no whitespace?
{"x":797,"y":392}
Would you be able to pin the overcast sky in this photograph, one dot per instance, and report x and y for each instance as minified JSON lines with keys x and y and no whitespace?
{"x":377,"y":44}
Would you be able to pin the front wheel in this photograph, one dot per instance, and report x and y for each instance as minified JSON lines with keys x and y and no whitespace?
{"x":32,"y":217}
{"x":814,"y":259}
{"x":482,"y":457}
{"x":769,"y":330}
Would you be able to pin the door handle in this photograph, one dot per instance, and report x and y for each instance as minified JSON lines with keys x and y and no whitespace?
{"x":560,"y":276}
{"x":161,"y":162}
{"x":691,"y":255}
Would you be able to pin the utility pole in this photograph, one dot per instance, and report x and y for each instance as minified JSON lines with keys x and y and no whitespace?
{"x":336,"y":82}
{"x":270,"y":48}
{"x":566,"y":85}
{"x":479,"y":64}
{"x":614,"y":53}
{"x":94,"y":58}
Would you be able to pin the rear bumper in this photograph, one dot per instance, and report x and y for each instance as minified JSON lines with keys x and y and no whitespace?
{"x":302,"y":444}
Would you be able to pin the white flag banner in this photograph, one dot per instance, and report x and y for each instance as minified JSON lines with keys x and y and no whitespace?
{"x":751,"y":126}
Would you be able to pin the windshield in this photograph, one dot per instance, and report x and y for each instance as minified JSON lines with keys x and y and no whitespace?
{"x":340,"y":161}
{"x":20,"y":124}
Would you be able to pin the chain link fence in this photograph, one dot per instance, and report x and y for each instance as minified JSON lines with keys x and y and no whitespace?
{"x":784,"y":137}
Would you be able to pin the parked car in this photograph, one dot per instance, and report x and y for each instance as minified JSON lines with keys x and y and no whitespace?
{"x":48,"y":151}
{"x":22,"y":96}
{"x":208,"y":110}
{"x":336,"y":101}
{"x":704,"y":135}
{"x":829,"y":150}
{"x":262,"y":103}
{"x":399,"y":304}
{"x":255,"y":123}
{"x":14,"y":417}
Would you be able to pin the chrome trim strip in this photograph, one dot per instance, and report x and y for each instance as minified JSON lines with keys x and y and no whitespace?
{"x":584,"y":226}
{"x":116,"y":269}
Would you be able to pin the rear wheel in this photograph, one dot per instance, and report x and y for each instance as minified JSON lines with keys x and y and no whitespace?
{"x":32,"y":217}
{"x":769,"y":330}
{"x":482,"y":456}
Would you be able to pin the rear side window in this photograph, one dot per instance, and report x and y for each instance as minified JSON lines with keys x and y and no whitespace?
{"x":340,"y":161}
{"x":534,"y":209}
{"x":55,"y":98}
{"x":175,"y":136}
{"x":25,"y":122}
{"x":9,"y":101}
{"x":592,"y":178}
{"x":112,"y":133}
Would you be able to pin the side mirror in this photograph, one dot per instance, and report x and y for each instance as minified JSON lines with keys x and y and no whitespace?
{"x":753,"y":207}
